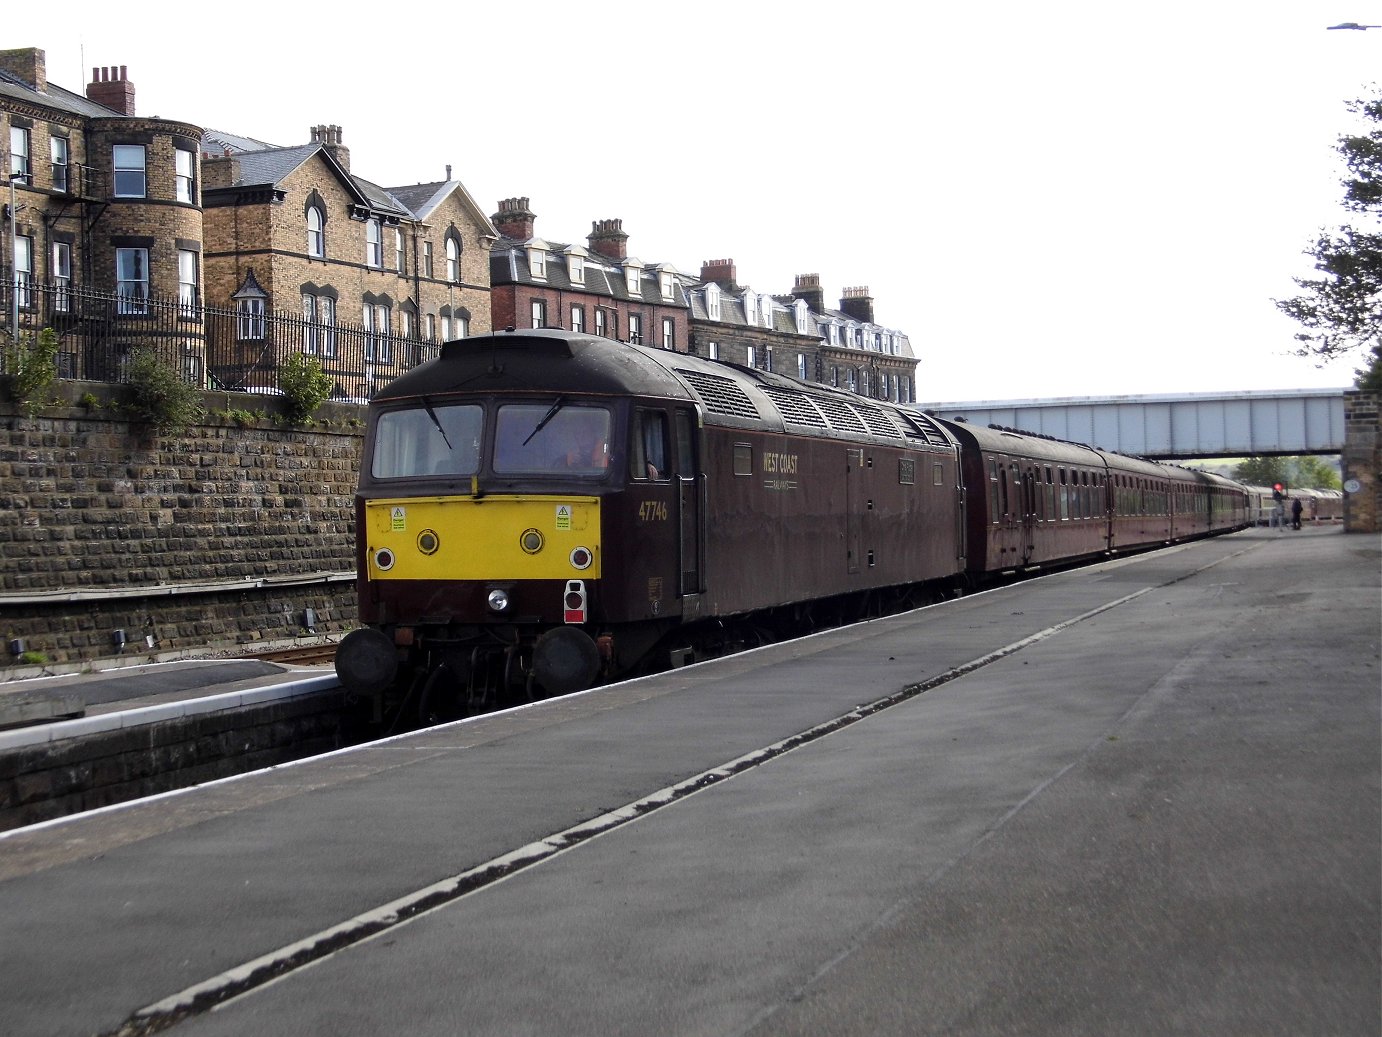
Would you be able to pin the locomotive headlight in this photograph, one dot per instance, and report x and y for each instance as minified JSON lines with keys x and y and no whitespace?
{"x":530,"y":541}
{"x":498,"y":600}
{"x":581,"y":558}
{"x":428,"y":542}
{"x":383,"y":559}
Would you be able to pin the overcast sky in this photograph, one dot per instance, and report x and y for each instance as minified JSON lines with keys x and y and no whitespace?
{"x":1050,"y":199}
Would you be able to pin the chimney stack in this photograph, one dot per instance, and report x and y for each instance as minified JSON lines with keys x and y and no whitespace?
{"x":808,"y":288}
{"x":329,"y":137}
{"x":721,"y":271}
{"x":29,"y":64}
{"x":111,"y":87}
{"x":858,"y":303}
{"x":514,"y":219}
{"x":607,"y":237}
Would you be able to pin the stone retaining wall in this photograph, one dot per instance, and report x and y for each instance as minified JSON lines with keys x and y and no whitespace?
{"x":223,"y":535}
{"x":63,"y":777}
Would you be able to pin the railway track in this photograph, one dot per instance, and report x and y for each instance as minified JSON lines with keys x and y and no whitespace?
{"x":306,"y":655}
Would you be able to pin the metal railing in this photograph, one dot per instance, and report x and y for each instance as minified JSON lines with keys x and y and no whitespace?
{"x":214,"y":347}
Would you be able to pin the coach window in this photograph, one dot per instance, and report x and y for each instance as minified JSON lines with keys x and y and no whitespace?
{"x":743,"y":459}
{"x":648,"y":456}
{"x":993,"y":491}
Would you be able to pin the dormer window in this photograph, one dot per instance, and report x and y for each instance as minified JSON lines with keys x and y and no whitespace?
{"x":750,"y":308}
{"x":575,"y":266}
{"x":712,"y":301}
{"x":800,"y":315}
{"x":664,"y":284}
{"x":633,"y":278}
{"x":765,"y":311}
{"x":537,"y":263}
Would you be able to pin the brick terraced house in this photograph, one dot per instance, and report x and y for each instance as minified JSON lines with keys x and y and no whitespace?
{"x":798,"y":335}
{"x":102,"y":199}
{"x":599,"y":288}
{"x":225,"y":253}
{"x":292,"y":228}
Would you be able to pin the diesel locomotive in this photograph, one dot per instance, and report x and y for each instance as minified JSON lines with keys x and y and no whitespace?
{"x":541,"y":510}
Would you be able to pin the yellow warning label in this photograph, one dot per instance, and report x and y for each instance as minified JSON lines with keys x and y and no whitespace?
{"x":399,"y":516}
{"x":563,"y":516}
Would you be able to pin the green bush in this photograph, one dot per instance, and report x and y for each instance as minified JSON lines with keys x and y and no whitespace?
{"x":31,"y":365}
{"x":159,"y":397}
{"x":305,"y":385}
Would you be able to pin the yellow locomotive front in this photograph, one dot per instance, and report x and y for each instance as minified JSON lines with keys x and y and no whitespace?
{"x":479,"y":548}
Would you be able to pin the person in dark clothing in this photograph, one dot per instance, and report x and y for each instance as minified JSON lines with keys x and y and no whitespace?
{"x":1295,"y":512}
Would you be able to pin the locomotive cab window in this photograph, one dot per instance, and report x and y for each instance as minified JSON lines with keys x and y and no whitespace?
{"x":648,"y":454}
{"x":424,"y":441}
{"x":553,"y":439}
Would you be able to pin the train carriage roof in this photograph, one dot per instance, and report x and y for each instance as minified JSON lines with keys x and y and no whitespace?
{"x":991,"y":439}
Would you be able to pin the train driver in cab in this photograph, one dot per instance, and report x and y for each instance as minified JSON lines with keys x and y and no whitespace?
{"x":588,"y":448}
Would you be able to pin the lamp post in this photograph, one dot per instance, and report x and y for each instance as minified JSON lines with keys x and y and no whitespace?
{"x":14,"y":263}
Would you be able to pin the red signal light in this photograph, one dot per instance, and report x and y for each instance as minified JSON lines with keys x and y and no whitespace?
{"x":574,"y":602}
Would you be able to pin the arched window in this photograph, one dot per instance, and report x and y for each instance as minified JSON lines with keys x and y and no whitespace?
{"x":453,"y":258}
{"x":316,"y":233}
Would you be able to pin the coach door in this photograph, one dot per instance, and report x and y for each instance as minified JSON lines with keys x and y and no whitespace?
{"x":690,"y":487}
{"x":1029,"y":512}
{"x":854,"y":472}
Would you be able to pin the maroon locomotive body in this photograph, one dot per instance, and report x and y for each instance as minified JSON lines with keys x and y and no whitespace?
{"x":501,"y":548}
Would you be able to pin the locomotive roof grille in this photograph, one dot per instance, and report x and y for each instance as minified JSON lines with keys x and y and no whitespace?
{"x":720,"y":395}
{"x":924,"y":427}
{"x":795,"y":407}
{"x":878,"y":422}
{"x":841,"y":416}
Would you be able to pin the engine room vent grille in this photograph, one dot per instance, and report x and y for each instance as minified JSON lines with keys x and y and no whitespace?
{"x":877,"y":421}
{"x":720,"y":395}
{"x":922,"y":427}
{"x":796,"y":408}
{"x":840,"y":415}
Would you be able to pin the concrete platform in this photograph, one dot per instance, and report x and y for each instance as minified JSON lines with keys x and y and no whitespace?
{"x":1141,"y":798}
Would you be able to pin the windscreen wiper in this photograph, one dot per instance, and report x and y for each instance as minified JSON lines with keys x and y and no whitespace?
{"x":551,"y":413}
{"x":437,"y":422}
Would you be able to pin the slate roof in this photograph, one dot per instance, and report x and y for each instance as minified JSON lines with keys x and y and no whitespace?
{"x":508,"y":264}
{"x":265,"y":165}
{"x":421,"y":199}
{"x":218,"y":141}
{"x":55,"y":97}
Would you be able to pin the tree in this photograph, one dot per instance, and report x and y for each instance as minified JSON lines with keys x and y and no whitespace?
{"x":1342,"y":310}
{"x":1295,"y":472}
{"x":1261,"y":471}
